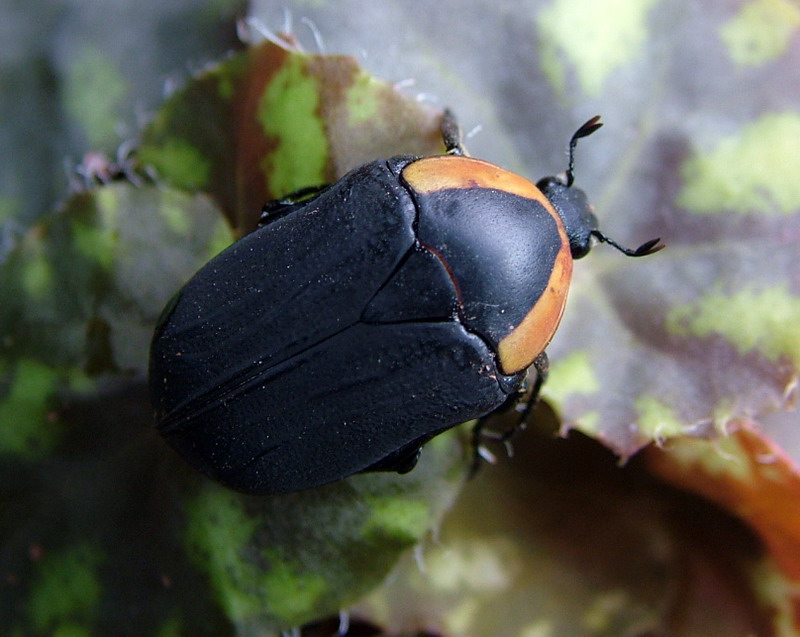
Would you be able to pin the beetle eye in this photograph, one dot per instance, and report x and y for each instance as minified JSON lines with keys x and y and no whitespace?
{"x":580,"y":248}
{"x":547,"y":184}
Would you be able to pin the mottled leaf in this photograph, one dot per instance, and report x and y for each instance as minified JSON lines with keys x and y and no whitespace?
{"x":273,"y":120}
{"x":80,"y":296}
{"x":83,"y":289}
{"x":79,"y":459}
{"x":701,"y":107}
{"x":279,"y":562}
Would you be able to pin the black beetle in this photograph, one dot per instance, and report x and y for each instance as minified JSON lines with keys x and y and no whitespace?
{"x":363,"y":318}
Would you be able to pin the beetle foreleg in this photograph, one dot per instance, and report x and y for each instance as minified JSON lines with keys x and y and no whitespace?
{"x":541,"y":365}
{"x":451,"y":134}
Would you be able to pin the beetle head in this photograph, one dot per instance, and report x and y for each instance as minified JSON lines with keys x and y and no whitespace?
{"x":574,"y":209}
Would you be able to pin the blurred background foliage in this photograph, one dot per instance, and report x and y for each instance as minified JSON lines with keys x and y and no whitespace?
{"x":685,"y":363}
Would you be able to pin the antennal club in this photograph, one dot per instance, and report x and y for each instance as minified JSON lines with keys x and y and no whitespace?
{"x":648,"y":247}
{"x":584,"y":131}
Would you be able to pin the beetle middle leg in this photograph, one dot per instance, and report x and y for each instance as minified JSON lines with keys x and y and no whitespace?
{"x":541,"y":365}
{"x":403,"y":460}
{"x":274,"y":210}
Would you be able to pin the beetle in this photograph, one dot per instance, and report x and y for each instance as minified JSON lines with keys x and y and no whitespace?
{"x":361,"y":319}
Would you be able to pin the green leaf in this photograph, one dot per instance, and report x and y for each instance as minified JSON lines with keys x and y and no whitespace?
{"x":743,"y":172}
{"x":80,"y":296}
{"x":761,"y":31}
{"x":594,"y":46}
{"x":278,"y":562}
{"x":682,"y":349}
{"x":66,"y":591}
{"x":84,"y":288}
{"x":272,"y":120}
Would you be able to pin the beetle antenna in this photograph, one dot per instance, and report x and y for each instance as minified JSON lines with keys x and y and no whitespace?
{"x":648,"y":247}
{"x":584,"y":131}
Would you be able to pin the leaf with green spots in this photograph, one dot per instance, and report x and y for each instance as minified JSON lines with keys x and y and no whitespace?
{"x":65,"y":590}
{"x":747,"y":173}
{"x":272,"y":120}
{"x":287,"y":113}
{"x":761,"y":31}
{"x":28,"y":431}
{"x":572,"y":374}
{"x":282,"y":561}
{"x":706,"y":330}
{"x":94,"y":95}
{"x":80,"y":295}
{"x":96,"y":527}
{"x":591,"y":40}
{"x":84,"y":288}
{"x":761,"y":322}
{"x":558,"y":539}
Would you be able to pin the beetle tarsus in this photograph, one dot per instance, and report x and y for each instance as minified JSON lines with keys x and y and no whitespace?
{"x":451,"y":134}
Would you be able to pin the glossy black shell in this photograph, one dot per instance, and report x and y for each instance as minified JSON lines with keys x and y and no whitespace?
{"x":343,"y":335}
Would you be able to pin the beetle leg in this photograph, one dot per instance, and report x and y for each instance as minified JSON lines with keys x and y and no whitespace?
{"x":541,"y":365}
{"x":403,"y":460}
{"x":278,"y":208}
{"x":451,"y":134}
{"x":480,"y":433}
